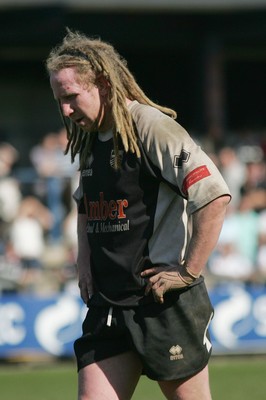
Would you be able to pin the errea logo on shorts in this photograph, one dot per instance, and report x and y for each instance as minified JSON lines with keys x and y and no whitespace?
{"x":176,"y":353}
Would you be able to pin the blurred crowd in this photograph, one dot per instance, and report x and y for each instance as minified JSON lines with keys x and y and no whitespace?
{"x":38,"y":242}
{"x":240,"y":254}
{"x":38,"y":218}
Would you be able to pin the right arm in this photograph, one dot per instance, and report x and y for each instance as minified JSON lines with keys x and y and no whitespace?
{"x":83,"y":260}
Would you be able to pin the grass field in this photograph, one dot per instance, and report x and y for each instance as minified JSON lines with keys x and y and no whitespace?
{"x":231,"y":379}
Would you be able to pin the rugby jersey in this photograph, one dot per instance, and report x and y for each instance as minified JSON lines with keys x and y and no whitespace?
{"x":139,"y":214}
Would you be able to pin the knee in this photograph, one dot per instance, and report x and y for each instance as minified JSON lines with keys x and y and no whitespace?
{"x":195,"y":387}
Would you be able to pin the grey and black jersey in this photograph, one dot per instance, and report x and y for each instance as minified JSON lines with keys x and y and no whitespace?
{"x":139,"y":215}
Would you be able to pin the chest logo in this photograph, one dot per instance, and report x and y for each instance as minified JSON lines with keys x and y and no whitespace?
{"x":112,"y":157}
{"x":102,"y":210}
{"x":87,"y":172}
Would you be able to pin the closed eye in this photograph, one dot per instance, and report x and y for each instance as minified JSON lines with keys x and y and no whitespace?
{"x":69,"y":97}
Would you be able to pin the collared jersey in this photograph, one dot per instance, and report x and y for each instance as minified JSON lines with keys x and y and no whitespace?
{"x":139,"y":214}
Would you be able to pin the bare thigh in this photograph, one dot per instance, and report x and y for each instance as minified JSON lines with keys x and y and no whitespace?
{"x":114,"y":378}
{"x":195,"y":388}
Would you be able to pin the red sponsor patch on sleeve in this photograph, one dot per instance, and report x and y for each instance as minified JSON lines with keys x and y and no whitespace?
{"x":195,"y":176}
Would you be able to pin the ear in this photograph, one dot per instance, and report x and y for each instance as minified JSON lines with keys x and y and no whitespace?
{"x":103,"y":85}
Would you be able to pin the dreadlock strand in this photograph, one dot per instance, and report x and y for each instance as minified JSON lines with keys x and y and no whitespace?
{"x":123,"y":120}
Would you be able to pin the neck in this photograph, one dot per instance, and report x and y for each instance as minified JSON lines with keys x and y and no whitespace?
{"x":107,"y":123}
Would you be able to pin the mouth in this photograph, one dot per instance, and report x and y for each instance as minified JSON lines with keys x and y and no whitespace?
{"x":84,"y":123}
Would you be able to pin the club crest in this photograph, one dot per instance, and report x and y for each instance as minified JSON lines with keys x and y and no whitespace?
{"x":112,"y":157}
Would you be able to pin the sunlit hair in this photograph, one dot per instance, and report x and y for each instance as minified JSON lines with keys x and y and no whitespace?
{"x":93,"y":58}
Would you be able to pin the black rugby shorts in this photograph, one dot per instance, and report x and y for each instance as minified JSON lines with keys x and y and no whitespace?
{"x":171,"y":339}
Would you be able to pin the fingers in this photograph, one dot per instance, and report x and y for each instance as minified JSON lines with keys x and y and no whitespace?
{"x":85,"y":296}
{"x":150,"y":271}
{"x":158,"y":292}
{"x":152,"y":283}
{"x":85,"y":292}
{"x":151,"y":280}
{"x":161,"y":282}
{"x":157,"y":285}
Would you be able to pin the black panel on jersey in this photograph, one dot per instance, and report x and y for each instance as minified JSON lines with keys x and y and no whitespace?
{"x":120,"y":206}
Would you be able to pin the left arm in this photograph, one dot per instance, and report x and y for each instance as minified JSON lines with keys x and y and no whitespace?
{"x":207,"y":224}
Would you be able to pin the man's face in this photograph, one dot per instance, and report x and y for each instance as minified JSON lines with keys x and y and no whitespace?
{"x":84,"y":105}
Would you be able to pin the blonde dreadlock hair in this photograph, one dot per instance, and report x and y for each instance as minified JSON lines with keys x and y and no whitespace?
{"x":92,"y":58}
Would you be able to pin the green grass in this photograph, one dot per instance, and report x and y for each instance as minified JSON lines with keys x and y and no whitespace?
{"x":242,"y":379}
{"x":231,"y":379}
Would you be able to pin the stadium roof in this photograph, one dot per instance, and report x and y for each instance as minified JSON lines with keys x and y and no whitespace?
{"x":142,"y":5}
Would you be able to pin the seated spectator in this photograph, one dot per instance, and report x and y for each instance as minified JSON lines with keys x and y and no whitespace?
{"x":27,"y":238}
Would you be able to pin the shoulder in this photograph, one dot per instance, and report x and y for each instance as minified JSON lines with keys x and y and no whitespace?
{"x":143,"y":112}
{"x":146,"y":117}
{"x":153,"y":125}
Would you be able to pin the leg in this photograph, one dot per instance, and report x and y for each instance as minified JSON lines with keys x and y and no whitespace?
{"x":114,"y":378}
{"x":194,"y":388}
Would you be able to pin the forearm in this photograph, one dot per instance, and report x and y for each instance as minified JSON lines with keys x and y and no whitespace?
{"x":83,"y":244}
{"x":206,"y":224}
{"x":83,"y":259}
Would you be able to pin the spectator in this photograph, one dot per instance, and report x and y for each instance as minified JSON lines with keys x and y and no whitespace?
{"x":235,"y":255}
{"x":261,"y":260}
{"x":10,"y":194}
{"x":27,"y":238}
{"x":233,"y":171}
{"x":49,"y":161}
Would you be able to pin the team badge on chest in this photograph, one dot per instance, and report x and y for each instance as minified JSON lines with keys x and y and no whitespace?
{"x":112,"y":157}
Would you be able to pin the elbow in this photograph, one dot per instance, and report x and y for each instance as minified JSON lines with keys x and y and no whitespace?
{"x":219,"y":205}
{"x":224,"y":200}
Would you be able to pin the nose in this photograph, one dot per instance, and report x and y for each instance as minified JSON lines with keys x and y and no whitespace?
{"x":67,"y":109}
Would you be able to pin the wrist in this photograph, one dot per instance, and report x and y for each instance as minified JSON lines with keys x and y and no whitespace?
{"x":191,"y":273}
{"x":187,"y":275}
{"x":186,"y":278}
